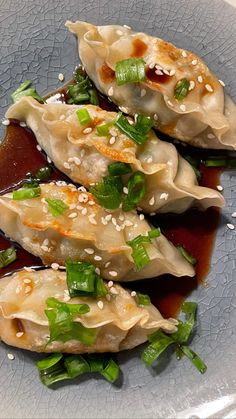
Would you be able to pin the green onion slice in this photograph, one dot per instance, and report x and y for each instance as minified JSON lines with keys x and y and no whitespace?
{"x":83,"y":91}
{"x":25,"y":89}
{"x":139,"y":252}
{"x":143,"y":299}
{"x":56,"y":206}
{"x":107,"y":194}
{"x":136,"y":191}
{"x":191,"y":259}
{"x":111,"y":371}
{"x":131,"y":70}
{"x":185,"y":328}
{"x":130,"y":130}
{"x":157,"y":347}
{"x":119,"y":169}
{"x":82,"y":280}
{"x":144,"y":124}
{"x":76,"y":365}
{"x":26,"y":193}
{"x":194,"y":358}
{"x":83,"y":116}
{"x":181,"y":89}
{"x":220,"y":161}
{"x":7,"y":256}
{"x":104,"y":129}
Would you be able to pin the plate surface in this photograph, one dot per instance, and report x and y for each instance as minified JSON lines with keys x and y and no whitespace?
{"x":35,"y":45}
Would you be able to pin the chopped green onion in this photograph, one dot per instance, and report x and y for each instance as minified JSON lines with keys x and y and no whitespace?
{"x":220,"y":161}
{"x":62,"y":326}
{"x":185,"y":328}
{"x":114,"y":181}
{"x":93,"y":97}
{"x":144,"y":124}
{"x":157,"y":346}
{"x":83,"y":91}
{"x":104,"y":129}
{"x":25,"y":90}
{"x":154,"y":233}
{"x":7,"y":256}
{"x":194,"y":358}
{"x":107,"y":194}
{"x":136,"y":191}
{"x":43,"y":173}
{"x":56,"y":206}
{"x":83,"y":116}
{"x":119,"y":169}
{"x":82,"y":280}
{"x":111,"y":371}
{"x":181,"y":89}
{"x":191,"y":259}
{"x":26,"y":193}
{"x":130,"y":130}
{"x":105,"y":365}
{"x":139,"y":253}
{"x":131,"y":70}
{"x":49,"y":362}
{"x":52,"y":370}
{"x":76,"y":365}
{"x":143,"y":299}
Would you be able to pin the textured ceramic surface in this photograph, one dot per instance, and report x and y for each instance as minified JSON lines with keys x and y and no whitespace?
{"x":35,"y":45}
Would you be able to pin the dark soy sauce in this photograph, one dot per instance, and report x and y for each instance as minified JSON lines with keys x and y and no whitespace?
{"x":195,"y":230}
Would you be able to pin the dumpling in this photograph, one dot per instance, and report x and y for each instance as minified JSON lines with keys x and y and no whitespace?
{"x":195,"y":110}
{"x":85,"y":231}
{"x":120,"y":324}
{"x":84,"y":156}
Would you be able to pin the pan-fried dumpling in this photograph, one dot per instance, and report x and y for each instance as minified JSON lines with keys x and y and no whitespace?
{"x":117,"y":322}
{"x":194,"y":110}
{"x":84,"y":156}
{"x":82,"y":230}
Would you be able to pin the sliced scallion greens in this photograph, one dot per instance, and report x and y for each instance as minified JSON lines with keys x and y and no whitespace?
{"x":181,"y":89}
{"x":83,"y":91}
{"x":83,"y":116}
{"x":137,"y":132}
{"x":26,"y":193}
{"x":119,"y":169}
{"x":139,"y":252}
{"x":7,"y":256}
{"x":25,"y":89}
{"x":220,"y":161}
{"x":56,"y":206}
{"x":191,"y":259}
{"x":82,"y":280}
{"x":143,"y":299}
{"x":107,"y":194}
{"x":136,"y":191}
{"x":104,"y":129}
{"x":131,"y":70}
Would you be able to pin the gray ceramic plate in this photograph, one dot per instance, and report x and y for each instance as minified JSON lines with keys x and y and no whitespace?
{"x":35,"y":45}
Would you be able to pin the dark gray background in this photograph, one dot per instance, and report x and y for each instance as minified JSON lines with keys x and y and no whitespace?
{"x":35,"y":45}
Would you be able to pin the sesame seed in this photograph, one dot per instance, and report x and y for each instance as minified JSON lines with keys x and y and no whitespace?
{"x":97,"y":270}
{"x":23,"y":124}
{"x":220,"y":188}
{"x":158,"y":72}
{"x":118,"y":228}
{"x":151,"y":65}
{"x":121,"y":217}
{"x":114,"y":291}
{"x":127,"y":27}
{"x":164,"y":196}
{"x":113,"y":220}
{"x":141,"y":217}
{"x":45,"y":248}
{"x":77,"y":161}
{"x":152,"y":201}
{"x":108,"y":217}
{"x":155,"y":116}
{"x":152,"y":214}
{"x":91,"y":219}
{"x":125,"y":190}
{"x":100,"y":304}
{"x":184,"y":54}
{"x":66,"y":165}
{"x":113,"y":273}
{"x":209,"y":88}
{"x":182,"y":108}
{"x":6,"y":122}
{"x":120,"y":33}
{"x":87,"y":130}
{"x":108,"y":297}
{"x":128,"y":223}
{"x":149,"y":160}
{"x":38,"y":147}
{"x":72,"y":206}
{"x":230,"y":226}
{"x":143,"y":92}
{"x":233,"y":215}
{"x":18,"y":290}
{"x":110,"y":91}
{"x":55,"y":266}
{"x":107,"y":264}
{"x":123,"y":109}
{"x":199,"y":79}
{"x":166,"y":72}
{"x":27,"y":281}
{"x":61,"y":77}
{"x":170,"y":103}
{"x":84,"y":211}
{"x":222,"y":83}
{"x":89,"y":250}
{"x":45,"y":242}
{"x":191,"y":85}
{"x":28,"y":289}
{"x":19,"y":334}
{"x":62,"y":267}
{"x":49,"y":160}
{"x":91,"y":202}
{"x":73,"y":215}
{"x":110,"y":283}
{"x":194,"y":62}
{"x":172,"y":72}
{"x":104,"y":222}
{"x":83,"y":197}
{"x":10,"y":356}
{"x":98,"y":258}
{"x":211,"y":136}
{"x":112,"y":140}
{"x":133,"y":294}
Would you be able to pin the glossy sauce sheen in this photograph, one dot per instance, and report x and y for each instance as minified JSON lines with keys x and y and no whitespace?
{"x":195,"y":230}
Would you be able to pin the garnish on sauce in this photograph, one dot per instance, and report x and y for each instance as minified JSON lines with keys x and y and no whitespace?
{"x":7,"y":256}
{"x":139,"y":252}
{"x":25,"y":89}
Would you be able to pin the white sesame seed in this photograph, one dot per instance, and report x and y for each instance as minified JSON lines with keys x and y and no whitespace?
{"x":104,"y":222}
{"x":209,"y":88}
{"x":152,"y":214}
{"x":91,"y":219}
{"x":27,"y":281}
{"x":123,"y":109}
{"x":49,"y":160}
{"x":166,"y":72}
{"x":172,"y":72}
{"x":199,"y":79}
{"x":211,"y":136}
{"x":222,"y":83}
{"x":164,"y":196}
{"x":113,"y":273}
{"x":182,"y":108}
{"x":141,"y":217}
{"x":152,"y":201}
{"x":66,"y":297}
{"x":120,"y":33}
{"x":97,"y":270}
{"x":72,"y":206}
{"x":84,"y":211}
{"x":143,"y":92}
{"x":127,"y":27}
{"x":18,"y":290}
{"x":155,"y":116}
{"x":38,"y":147}
{"x":26,"y":268}
{"x":125,"y":190}
{"x":61,"y":77}
{"x":10,"y":356}
{"x":23,"y":124}
{"x":114,"y":291}
{"x":28,"y":289}
{"x":108,"y":217}
{"x":98,"y":258}
{"x":184,"y":54}
{"x":230,"y":226}
{"x":233,"y":215}
{"x":55,"y":266}
{"x":73,"y":215}
{"x":108,"y":297}
{"x":107,"y":264}
{"x":158,"y":72}
{"x":19,"y":334}
{"x":133,"y":293}
{"x":118,"y":228}
{"x":110,"y":91}
{"x":6,"y":122}
{"x":149,"y":160}
{"x":113,"y":220}
{"x":45,"y":242}
{"x":62,"y":267}
{"x":77,"y":161}
{"x":89,"y":250}
{"x":151,"y":65}
{"x":87,"y":130}
{"x":191,"y":85}
{"x":128,"y":223}
{"x":91,"y":202}
{"x":110,"y":283}
{"x":220,"y":188}
{"x":66,"y":165}
{"x":194,"y":62}
{"x":112,"y":140}
{"x":100,"y":304}
{"x":121,"y":217}
{"x":170,"y":103}
{"x":45,"y":248}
